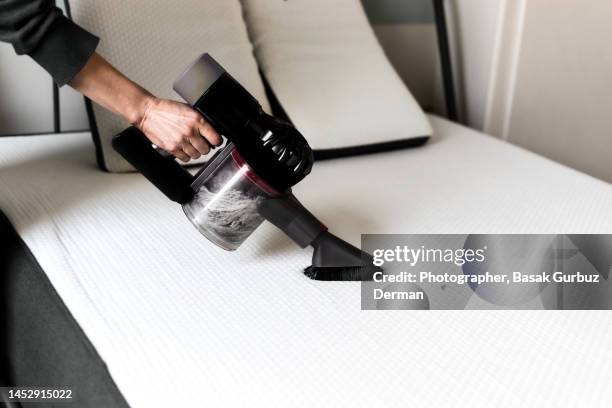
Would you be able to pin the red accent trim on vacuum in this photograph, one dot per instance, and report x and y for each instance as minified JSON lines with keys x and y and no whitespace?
{"x":251,"y":175}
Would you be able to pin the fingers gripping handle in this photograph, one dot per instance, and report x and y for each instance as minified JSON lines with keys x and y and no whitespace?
{"x":161,"y":170}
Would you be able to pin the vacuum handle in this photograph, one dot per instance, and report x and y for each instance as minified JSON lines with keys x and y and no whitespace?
{"x":161,"y":170}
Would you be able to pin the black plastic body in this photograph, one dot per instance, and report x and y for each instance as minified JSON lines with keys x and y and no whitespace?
{"x":273,"y":148}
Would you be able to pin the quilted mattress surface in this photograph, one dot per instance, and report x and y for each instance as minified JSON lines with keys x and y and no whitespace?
{"x":179,"y":321}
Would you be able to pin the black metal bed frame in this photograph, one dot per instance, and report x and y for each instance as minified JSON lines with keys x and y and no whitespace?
{"x":445,"y":60}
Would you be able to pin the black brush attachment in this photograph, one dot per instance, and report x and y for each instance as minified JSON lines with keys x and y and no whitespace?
{"x":333,"y":259}
{"x":346,"y":273}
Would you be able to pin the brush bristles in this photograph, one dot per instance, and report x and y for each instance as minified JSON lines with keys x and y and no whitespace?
{"x":347,"y":273}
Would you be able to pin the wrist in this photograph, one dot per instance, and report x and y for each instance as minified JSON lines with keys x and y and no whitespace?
{"x":139,"y":108}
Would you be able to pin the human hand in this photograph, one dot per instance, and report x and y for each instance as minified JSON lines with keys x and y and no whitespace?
{"x":177,"y":128}
{"x":172,"y":126}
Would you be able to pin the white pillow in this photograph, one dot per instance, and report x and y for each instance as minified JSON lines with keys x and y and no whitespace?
{"x":153,"y":41}
{"x":330,"y":74}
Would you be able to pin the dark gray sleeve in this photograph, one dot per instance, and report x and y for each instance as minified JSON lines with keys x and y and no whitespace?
{"x":38,"y":28}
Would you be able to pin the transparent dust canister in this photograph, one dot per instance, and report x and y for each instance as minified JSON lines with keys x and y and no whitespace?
{"x":228,"y":193}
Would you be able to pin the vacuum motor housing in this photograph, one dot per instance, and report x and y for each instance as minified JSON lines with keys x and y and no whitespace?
{"x":275,"y":150}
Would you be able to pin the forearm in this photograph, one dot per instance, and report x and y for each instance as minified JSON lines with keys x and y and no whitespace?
{"x":105,"y":85}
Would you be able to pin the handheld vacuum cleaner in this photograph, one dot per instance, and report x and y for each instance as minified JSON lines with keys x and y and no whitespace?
{"x":246,"y":181}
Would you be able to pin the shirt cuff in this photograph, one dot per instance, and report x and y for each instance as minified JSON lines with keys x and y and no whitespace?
{"x":65,"y":50}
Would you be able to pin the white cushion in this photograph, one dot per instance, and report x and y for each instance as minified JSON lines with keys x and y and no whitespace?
{"x":330,"y":73}
{"x":153,"y":41}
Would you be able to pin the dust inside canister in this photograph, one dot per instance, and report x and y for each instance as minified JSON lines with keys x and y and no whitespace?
{"x":224,"y":208}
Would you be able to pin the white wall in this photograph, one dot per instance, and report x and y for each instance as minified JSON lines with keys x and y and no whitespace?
{"x":538,"y":74}
{"x":562,"y":102}
{"x":26,"y":98}
{"x":474,"y":26}
{"x":25,"y":95}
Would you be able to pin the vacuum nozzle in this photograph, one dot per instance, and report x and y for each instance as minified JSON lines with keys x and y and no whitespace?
{"x":333,"y":259}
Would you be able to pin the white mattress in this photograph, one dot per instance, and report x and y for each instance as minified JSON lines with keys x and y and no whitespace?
{"x":179,"y":321}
